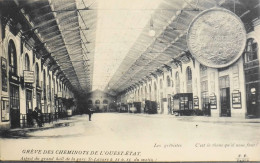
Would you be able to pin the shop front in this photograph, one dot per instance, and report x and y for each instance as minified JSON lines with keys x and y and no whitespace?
{"x":183,"y":104}
{"x":252,"y":78}
{"x":14,"y":84}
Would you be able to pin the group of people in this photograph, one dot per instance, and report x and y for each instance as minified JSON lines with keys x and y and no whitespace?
{"x":35,"y":115}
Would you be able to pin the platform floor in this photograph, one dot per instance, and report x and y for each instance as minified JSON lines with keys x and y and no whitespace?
{"x":139,"y":137}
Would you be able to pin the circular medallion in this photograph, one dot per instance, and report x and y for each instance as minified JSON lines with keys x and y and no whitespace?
{"x":216,"y":37}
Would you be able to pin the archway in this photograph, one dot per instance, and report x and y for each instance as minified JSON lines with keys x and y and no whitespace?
{"x":155,"y":92}
{"x":38,"y":89}
{"x":28,"y":87}
{"x":150,"y":92}
{"x":168,"y":81}
{"x":177,"y":81}
{"x":145,"y":93}
{"x":189,"y":79}
{"x":169,"y":85}
{"x":204,"y":87}
{"x":44,"y":93}
{"x":105,"y":105}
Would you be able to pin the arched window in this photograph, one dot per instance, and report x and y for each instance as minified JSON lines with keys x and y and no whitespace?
{"x":155,"y":92}
{"x":105,"y":101}
{"x":161,"y":84}
{"x":204,"y":85}
{"x":37,"y":75}
{"x":12,"y":58}
{"x":53,"y":85}
{"x":138,"y":95}
{"x":251,"y":50}
{"x":150,"y":92}
{"x":177,"y":78}
{"x":189,"y":73}
{"x":97,"y":102}
{"x":135,"y":95}
{"x":145,"y":92}
{"x":26,"y":62}
{"x":168,"y":81}
{"x":141,"y":94}
{"x":189,"y":80}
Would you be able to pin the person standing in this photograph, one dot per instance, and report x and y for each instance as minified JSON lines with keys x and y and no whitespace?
{"x":90,"y":112}
{"x":37,"y":116}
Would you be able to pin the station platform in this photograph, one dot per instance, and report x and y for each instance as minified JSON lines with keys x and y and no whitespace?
{"x":212,"y":119}
{"x":70,"y":121}
{"x":22,"y":132}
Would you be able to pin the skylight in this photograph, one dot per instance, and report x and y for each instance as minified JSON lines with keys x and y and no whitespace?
{"x":119,"y":23}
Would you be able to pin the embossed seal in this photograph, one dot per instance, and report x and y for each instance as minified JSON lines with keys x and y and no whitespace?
{"x":216,"y":37}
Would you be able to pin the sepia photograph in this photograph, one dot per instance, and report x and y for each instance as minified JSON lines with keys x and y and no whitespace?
{"x":130,"y":81}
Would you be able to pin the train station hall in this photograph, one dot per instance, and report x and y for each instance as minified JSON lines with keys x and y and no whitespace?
{"x":179,"y":58}
{"x":129,"y":80}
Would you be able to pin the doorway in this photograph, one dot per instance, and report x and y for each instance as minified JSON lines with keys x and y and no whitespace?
{"x":28,"y":100}
{"x":14,"y":106}
{"x":38,"y":99}
{"x":205,"y":103}
{"x":169,"y":104}
{"x":105,"y":108}
{"x":225,"y":110}
{"x":225,"y":102}
{"x":253,"y":99}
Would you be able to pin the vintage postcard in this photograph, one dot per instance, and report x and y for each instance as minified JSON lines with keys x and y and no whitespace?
{"x":130,"y":80}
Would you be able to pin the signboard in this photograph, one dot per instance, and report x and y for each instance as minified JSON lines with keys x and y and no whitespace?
{"x":4,"y":74}
{"x":213,"y":101}
{"x":236,"y":99}
{"x":15,"y":78}
{"x":28,"y":76}
{"x":196,"y":102}
{"x":5,"y":110}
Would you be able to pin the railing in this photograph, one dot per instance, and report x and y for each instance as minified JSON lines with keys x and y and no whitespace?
{"x":27,"y":120}
{"x":47,"y":118}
